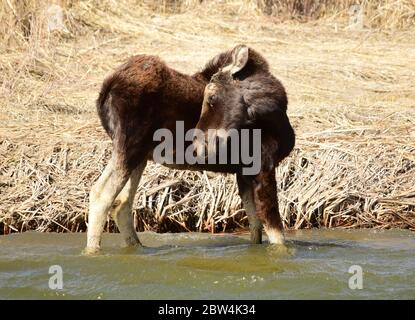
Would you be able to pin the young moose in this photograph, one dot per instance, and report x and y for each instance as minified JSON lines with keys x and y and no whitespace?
{"x":144,"y":95}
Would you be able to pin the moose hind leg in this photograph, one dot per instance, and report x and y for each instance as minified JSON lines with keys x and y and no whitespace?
{"x":245,"y":192}
{"x":102,"y":196}
{"x":121,"y":209}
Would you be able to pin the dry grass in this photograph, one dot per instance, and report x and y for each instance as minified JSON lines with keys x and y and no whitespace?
{"x":352,"y":100}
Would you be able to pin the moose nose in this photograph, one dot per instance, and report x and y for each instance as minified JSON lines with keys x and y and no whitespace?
{"x":211,"y":100}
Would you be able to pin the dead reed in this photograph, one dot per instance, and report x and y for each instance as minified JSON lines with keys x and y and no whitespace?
{"x":351,"y":91}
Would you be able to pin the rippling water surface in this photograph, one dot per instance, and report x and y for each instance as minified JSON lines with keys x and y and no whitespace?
{"x":315,"y":265}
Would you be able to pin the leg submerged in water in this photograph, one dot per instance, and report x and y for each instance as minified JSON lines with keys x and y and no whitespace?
{"x":102,"y":196}
{"x":121,"y":209}
{"x":246,"y":194}
{"x":266,"y":202}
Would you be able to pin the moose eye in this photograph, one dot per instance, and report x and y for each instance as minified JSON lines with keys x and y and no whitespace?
{"x":211,"y":100}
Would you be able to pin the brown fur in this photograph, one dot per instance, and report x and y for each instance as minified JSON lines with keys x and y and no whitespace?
{"x":144,"y":95}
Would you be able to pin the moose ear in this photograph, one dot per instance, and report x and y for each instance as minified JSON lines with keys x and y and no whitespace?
{"x":240,"y":58}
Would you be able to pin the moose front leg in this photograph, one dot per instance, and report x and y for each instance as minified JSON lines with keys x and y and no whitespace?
{"x":266,"y":203}
{"x":246,"y":194}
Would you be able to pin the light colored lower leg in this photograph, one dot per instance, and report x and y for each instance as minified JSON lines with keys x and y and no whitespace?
{"x":101,"y":198}
{"x":275,"y":236}
{"x":121,"y":209}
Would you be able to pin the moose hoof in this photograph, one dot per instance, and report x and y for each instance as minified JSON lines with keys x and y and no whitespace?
{"x":256,"y":236}
{"x":275,"y":236}
{"x":132,"y":242}
{"x":90,"y":251}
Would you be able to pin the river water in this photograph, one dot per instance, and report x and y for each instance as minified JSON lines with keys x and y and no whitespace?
{"x":316,"y":264}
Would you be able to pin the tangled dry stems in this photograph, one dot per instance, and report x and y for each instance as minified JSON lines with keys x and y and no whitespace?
{"x":352,"y":100}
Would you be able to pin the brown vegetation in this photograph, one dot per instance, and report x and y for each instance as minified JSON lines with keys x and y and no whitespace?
{"x":351,"y":100}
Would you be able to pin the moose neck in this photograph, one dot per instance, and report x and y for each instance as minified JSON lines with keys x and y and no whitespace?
{"x":185,"y":92}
